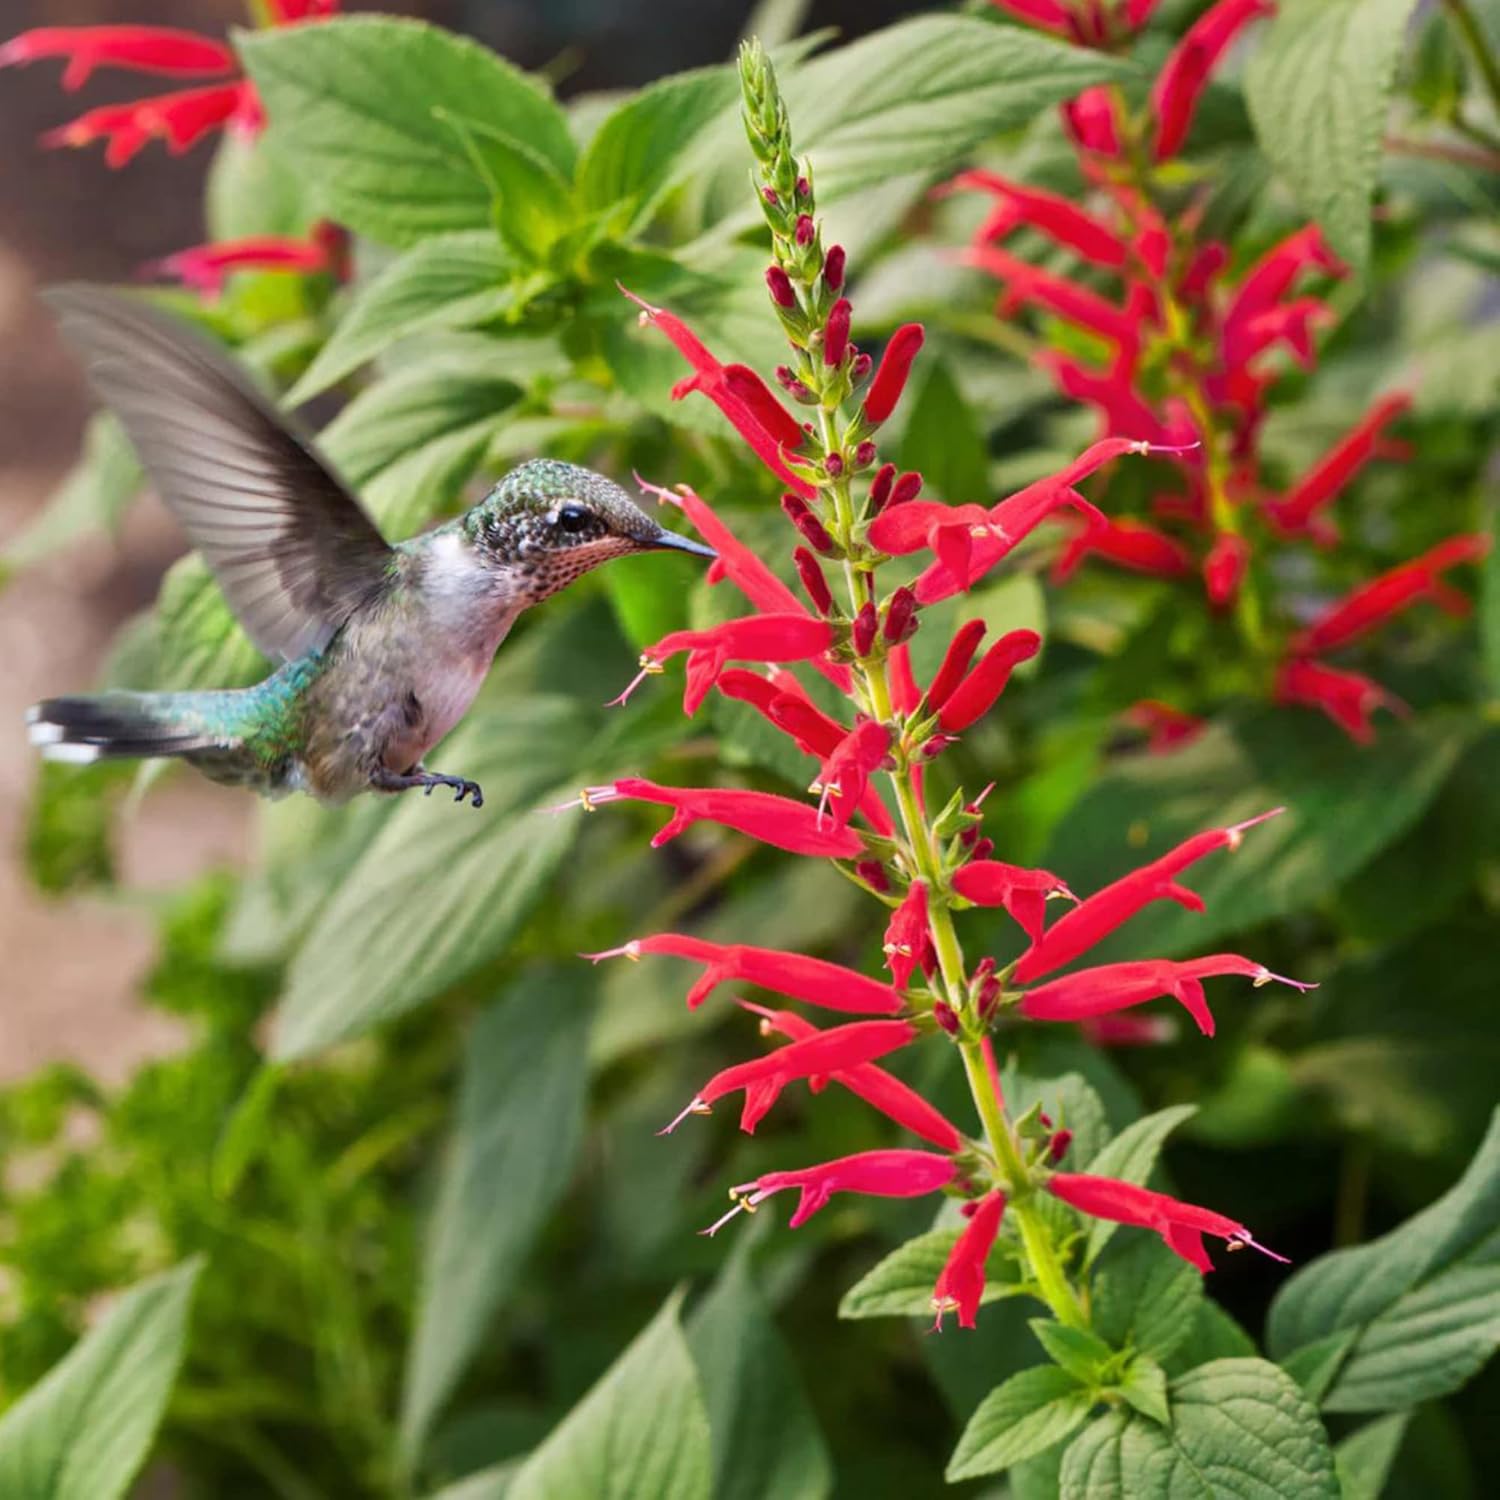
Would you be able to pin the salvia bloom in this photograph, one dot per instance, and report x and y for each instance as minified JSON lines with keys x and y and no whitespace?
{"x":865,"y":807}
{"x":1191,"y":350}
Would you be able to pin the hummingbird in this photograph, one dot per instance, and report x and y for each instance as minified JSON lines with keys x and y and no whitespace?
{"x":382,"y":645}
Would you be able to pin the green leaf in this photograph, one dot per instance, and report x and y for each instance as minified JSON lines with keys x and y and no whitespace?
{"x":765,"y":1437}
{"x":943,"y":442}
{"x":1144,"y":1386}
{"x":1319,"y":90}
{"x":1364,"y":1458}
{"x":1081,"y":1353}
{"x":1018,"y":1420}
{"x":1213,"y":1335}
{"x":901,"y":1284}
{"x":250,"y":190}
{"x":1342,"y":810}
{"x":1241,"y":1430}
{"x":1130,"y":1157}
{"x":517,"y":1132}
{"x":441,"y":889}
{"x":86,"y":1429}
{"x":352,"y":105}
{"x":200,"y":643}
{"x":1489,"y":604}
{"x":640,"y":1431}
{"x":1314,"y":1365}
{"x":1144,"y":1297}
{"x":1068,"y":1101}
{"x":448,"y":281}
{"x":92,"y":498}
{"x":1424,"y":1299}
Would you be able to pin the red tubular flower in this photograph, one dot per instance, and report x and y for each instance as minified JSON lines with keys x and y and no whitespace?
{"x":905,"y":694}
{"x":286,"y":11}
{"x":138,"y":49}
{"x":1181,"y":1225}
{"x":813,"y":580}
{"x":1374,"y":602}
{"x":757,"y":416}
{"x":777,"y":821}
{"x":1348,"y":698}
{"x":823,"y":1052}
{"x":1165,"y":727}
{"x":1127,"y":1031}
{"x":890,"y":376}
{"x":205,"y":267}
{"x":960,"y":1284}
{"x":1224,"y":568}
{"x":976,"y":694}
{"x":880,"y":1174}
{"x":1099,"y":915}
{"x":844,"y":777}
{"x":1028,"y":283}
{"x":949,"y":530}
{"x":955,"y":663}
{"x":1049,"y":213}
{"x":1175,"y":94}
{"x":879,"y":1089}
{"x":1050,"y":15}
{"x":795,"y":975}
{"x":1271,"y":277}
{"x":1112,"y":392}
{"x":836,"y":333}
{"x":1111,"y":987}
{"x":1129,"y":544}
{"x":1023,"y":893}
{"x":908,"y":937}
{"x":1296,"y":511}
{"x":1093,"y":121}
{"x":181,"y":120}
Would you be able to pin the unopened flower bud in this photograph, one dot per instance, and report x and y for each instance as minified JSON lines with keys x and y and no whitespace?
{"x":945,"y":1016}
{"x":813,"y":580}
{"x":862,"y":630}
{"x":805,"y":230}
{"x":986,"y":996}
{"x":814,"y":533}
{"x":983,"y":848}
{"x":900,"y":622}
{"x":833,"y":268}
{"x":936,"y":745}
{"x":864,"y":454}
{"x":890,"y":378}
{"x":836,"y":333}
{"x":804,"y":188}
{"x":861,"y":367}
{"x":873,"y":873}
{"x":772,"y":197}
{"x":833,"y":465}
{"x":907,"y":487}
{"x":880,"y":488}
{"x":782,"y":292}
{"x":1057,"y":1147}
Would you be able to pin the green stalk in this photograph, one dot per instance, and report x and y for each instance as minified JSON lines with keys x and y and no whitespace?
{"x":1473,"y":33}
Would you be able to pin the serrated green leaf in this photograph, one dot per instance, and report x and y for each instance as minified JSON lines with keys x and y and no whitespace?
{"x":1144,"y":1297}
{"x":943,"y":442}
{"x":1068,"y":1101}
{"x":764,"y":1434}
{"x":1364,"y":1458}
{"x":901,"y":1284}
{"x":1424,"y":1299}
{"x":518,"y":1127}
{"x":86,"y":1429}
{"x":352,"y":106}
{"x":1144,"y":1386}
{"x":1241,"y":1430}
{"x":641,"y":1430}
{"x":440,"y":889}
{"x":1130,"y":1157}
{"x":1028,"y":1414}
{"x":448,"y":281}
{"x":1081,"y":1353}
{"x":1319,"y":89}
{"x":1314,"y":1365}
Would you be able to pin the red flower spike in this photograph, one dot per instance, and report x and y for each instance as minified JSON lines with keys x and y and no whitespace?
{"x":844,"y":779}
{"x":181,"y":120}
{"x":1049,"y":213}
{"x":1271,"y":277}
{"x":139,"y":49}
{"x":822,"y":1053}
{"x":805,"y":228}
{"x":813,"y":580}
{"x":1093,"y":121}
{"x":777,"y":821}
{"x":1165,"y":727}
{"x":1111,"y":987}
{"x":1023,"y":893}
{"x":880,"y":1174}
{"x":1099,"y":915}
{"x":1373,"y":603}
{"x":890,"y":379}
{"x":1175,"y":94}
{"x":1348,"y":698}
{"x":976,"y":694}
{"x":1181,"y":1225}
{"x":1050,"y":15}
{"x":205,"y":267}
{"x":1296,"y":512}
{"x":879,"y":1089}
{"x":960,"y":1284}
{"x":960,"y":653}
{"x":836,"y":333}
{"x":795,"y":975}
{"x":908,"y":935}
{"x":905,"y":694}
{"x":1028,"y":283}
{"x":729,"y":394}
{"x":1129,"y":544}
{"x":1224,"y":568}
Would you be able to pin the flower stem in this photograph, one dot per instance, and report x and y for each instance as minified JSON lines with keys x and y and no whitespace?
{"x":1469,"y":27}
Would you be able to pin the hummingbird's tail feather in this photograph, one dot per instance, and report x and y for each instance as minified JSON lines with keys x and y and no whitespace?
{"x":119,"y":726}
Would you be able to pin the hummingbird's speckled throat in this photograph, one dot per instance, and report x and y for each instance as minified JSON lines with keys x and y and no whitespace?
{"x":383,"y":646}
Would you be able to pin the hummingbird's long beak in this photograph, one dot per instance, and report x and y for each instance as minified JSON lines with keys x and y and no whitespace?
{"x":670,"y":541}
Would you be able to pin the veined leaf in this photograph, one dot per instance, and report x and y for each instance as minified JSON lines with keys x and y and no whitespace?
{"x":1364,"y":1458}
{"x":85,"y":1430}
{"x":352,"y":104}
{"x":1145,"y":1297}
{"x":1020,"y":1419}
{"x":901,"y":1284}
{"x":200,"y":643}
{"x":943,"y":442}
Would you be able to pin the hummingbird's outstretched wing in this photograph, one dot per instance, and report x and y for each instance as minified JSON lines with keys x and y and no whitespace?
{"x":293,"y":550}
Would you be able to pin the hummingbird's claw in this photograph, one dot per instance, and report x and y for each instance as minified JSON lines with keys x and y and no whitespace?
{"x":429,"y":779}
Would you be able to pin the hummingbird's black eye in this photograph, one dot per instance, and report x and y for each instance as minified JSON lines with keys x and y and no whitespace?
{"x":573,"y":518}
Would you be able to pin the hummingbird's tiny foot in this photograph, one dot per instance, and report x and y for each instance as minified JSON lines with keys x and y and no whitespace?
{"x":388,"y":781}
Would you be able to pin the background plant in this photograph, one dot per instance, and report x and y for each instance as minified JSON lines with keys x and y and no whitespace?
{"x":427,"y":1226}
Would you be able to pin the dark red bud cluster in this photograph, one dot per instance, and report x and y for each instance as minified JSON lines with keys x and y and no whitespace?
{"x":864,"y":454}
{"x":907,"y":487}
{"x":900,"y":617}
{"x":880,"y":488}
{"x":936,"y":745}
{"x":833,"y":268}
{"x":863,"y":629}
{"x":805,"y":230}
{"x":874,"y":875}
{"x":813,"y":580}
{"x":814,"y":533}
{"x":833,"y":465}
{"x":945,"y":1016}
{"x":783,"y":294}
{"x":861,"y":366}
{"x":1057,"y":1147}
{"x":836,"y":333}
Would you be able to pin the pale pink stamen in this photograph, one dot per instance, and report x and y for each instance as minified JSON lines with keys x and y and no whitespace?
{"x":649,"y":668}
{"x":695,"y":1106}
{"x":1237,"y":832}
{"x":1241,"y":1241}
{"x":663,"y":496}
{"x":1264,"y":976}
{"x":631,"y":950}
